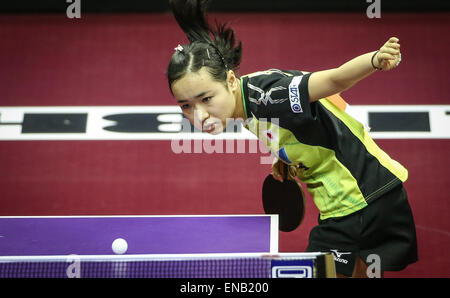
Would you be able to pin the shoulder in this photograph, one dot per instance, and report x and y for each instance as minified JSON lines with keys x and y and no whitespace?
{"x":271,"y":78}
{"x":273,"y":73}
{"x":275,"y":92}
{"x":267,"y":80}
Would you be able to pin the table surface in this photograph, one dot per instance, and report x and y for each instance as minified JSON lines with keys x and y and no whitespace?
{"x":93,"y":235}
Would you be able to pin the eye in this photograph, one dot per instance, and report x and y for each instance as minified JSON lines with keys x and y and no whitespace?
{"x":185,"y":106}
{"x":207,"y":99}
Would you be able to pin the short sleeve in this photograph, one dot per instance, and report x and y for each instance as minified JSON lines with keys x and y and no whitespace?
{"x":279,"y":94}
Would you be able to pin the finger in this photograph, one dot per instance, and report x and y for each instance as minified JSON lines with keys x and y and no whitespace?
{"x":392,"y":45}
{"x":386,"y":56}
{"x":392,"y":51}
{"x":393,"y":39}
{"x":292,"y":172}
{"x":277,"y":177}
{"x":277,"y":171}
{"x":276,"y":174}
{"x":280,"y":169}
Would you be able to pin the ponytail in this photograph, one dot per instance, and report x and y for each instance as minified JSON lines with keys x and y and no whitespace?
{"x":190,"y":15}
{"x":216,"y":49}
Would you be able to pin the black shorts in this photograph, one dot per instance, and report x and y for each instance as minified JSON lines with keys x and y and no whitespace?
{"x":385,"y":228}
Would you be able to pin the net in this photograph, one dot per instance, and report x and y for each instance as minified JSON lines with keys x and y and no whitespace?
{"x":241,"y":268}
{"x":161,"y":267}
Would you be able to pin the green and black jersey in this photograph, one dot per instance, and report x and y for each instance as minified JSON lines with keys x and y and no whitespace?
{"x":343,"y":168}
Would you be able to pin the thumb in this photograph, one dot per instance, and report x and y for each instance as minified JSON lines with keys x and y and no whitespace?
{"x":277,"y":171}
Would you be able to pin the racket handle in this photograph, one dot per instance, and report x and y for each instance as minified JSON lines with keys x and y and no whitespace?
{"x":285,"y":171}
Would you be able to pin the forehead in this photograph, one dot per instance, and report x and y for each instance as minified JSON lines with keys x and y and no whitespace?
{"x":192,"y":84}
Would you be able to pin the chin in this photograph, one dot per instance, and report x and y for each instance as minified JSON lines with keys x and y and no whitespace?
{"x":216,"y":132}
{"x":218,"y":129}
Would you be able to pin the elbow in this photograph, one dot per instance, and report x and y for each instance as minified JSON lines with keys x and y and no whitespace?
{"x":345,"y":86}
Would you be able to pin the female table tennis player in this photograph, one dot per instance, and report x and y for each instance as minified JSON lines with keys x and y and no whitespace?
{"x":355,"y":185}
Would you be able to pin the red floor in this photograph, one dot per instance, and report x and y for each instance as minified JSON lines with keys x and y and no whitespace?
{"x":121,"y":60}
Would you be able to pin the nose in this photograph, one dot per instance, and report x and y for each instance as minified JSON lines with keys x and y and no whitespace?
{"x":200,"y":115}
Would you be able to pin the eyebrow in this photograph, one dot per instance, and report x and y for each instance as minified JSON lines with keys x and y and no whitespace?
{"x":197,"y":96}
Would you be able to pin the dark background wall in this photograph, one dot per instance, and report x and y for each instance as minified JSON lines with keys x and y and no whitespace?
{"x":122,"y":6}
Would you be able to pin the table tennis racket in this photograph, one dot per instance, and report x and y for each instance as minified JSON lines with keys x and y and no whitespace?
{"x":285,"y":199}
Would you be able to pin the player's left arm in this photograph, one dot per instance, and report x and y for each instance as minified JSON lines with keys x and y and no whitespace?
{"x":328,"y":82}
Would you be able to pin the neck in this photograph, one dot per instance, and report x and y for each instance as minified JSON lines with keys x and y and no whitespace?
{"x":239,"y":111}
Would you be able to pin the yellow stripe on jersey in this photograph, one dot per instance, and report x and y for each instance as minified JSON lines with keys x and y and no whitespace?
{"x":358,"y":130}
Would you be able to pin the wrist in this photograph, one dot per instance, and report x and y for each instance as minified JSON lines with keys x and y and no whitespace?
{"x":375,"y":63}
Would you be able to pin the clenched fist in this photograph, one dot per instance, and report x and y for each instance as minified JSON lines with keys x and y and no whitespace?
{"x":388,"y":56}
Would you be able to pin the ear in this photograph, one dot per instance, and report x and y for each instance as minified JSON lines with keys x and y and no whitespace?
{"x":232,"y":80}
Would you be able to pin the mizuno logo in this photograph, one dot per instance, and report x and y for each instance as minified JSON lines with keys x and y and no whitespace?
{"x":338,"y":255}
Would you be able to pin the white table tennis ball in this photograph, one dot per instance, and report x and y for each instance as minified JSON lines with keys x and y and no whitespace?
{"x":119,"y":246}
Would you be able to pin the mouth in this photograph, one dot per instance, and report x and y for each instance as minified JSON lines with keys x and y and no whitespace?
{"x":209,"y":128}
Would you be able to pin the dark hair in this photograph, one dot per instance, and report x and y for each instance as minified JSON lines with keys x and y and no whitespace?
{"x":216,"y":49}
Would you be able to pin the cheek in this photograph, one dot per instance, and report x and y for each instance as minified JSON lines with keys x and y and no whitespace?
{"x":224,"y":107}
{"x":191,"y":119}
